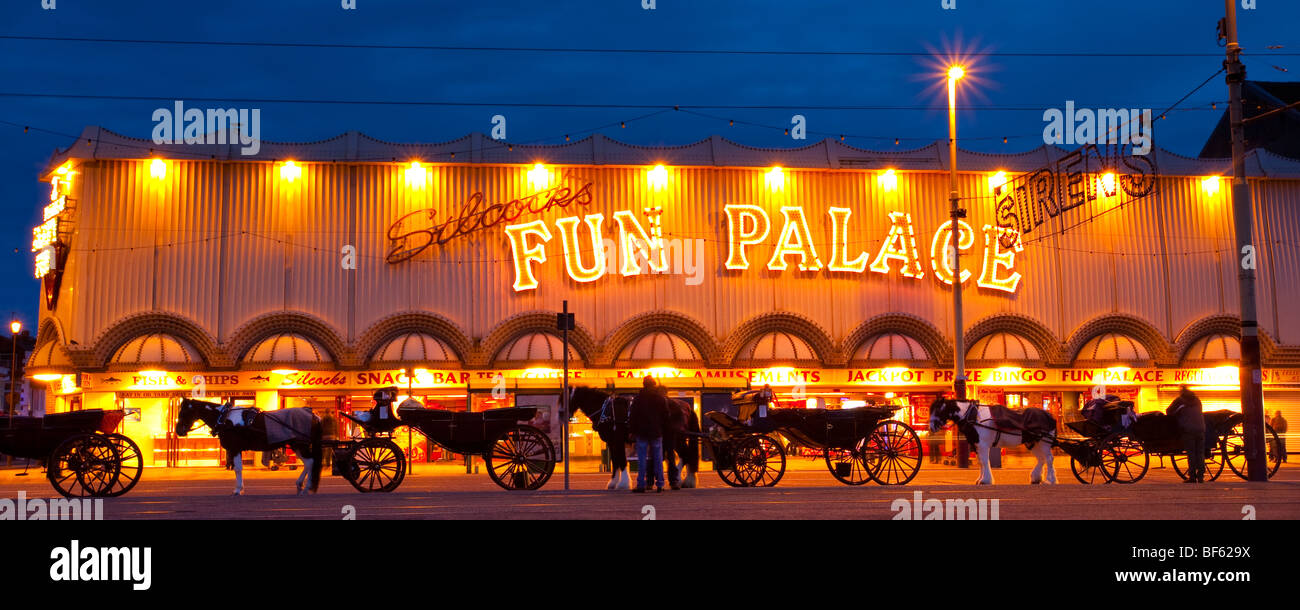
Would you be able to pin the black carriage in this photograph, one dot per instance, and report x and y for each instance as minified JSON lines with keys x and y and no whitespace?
{"x":1124,"y":442}
{"x":518,"y":456}
{"x":82,"y":455}
{"x":858,"y":445}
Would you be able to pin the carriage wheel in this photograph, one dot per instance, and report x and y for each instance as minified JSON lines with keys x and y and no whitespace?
{"x":521,"y":458}
{"x":1124,"y":459}
{"x":375,"y":464}
{"x":760,"y":462}
{"x":84,"y":465}
{"x":1234,"y":450}
{"x":1213,"y":465}
{"x":1089,"y":470}
{"x":724,"y":462}
{"x":893,"y":453}
{"x":132,"y":464}
{"x":849,"y":466}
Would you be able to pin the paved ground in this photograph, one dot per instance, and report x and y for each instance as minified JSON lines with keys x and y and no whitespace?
{"x":806,"y":492}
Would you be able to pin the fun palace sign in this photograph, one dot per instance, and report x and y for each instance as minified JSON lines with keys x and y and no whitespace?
{"x":592,"y":247}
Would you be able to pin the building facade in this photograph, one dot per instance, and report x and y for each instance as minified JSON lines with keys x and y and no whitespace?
{"x":311,"y":274}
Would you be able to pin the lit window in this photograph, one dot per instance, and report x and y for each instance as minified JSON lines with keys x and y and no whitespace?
{"x":775,"y":179}
{"x":539,"y":177}
{"x":658,"y":178}
{"x":290,"y":172}
{"x":997,"y":181}
{"x":1108,"y":184}
{"x":1210,"y":186}
{"x":416,"y":175}
{"x":888,"y":180}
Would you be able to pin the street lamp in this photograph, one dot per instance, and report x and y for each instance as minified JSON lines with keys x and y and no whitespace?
{"x":955,"y":73}
{"x":15,"y":327}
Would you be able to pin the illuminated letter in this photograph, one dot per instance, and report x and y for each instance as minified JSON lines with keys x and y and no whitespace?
{"x":900,"y":245}
{"x":840,"y":243}
{"x":630,"y":241}
{"x":573,"y":255}
{"x":738,"y":236}
{"x":795,"y":239}
{"x":995,"y":256}
{"x":525,"y":254}
{"x":941,"y":259}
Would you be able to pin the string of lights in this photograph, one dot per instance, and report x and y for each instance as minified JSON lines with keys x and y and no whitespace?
{"x":616,"y":50}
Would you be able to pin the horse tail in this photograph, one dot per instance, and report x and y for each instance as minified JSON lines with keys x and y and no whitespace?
{"x":317,"y":450}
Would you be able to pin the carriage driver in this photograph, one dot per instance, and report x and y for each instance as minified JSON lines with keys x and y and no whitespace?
{"x":1186,"y":410}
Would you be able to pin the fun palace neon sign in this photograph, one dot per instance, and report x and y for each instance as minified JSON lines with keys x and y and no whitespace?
{"x":641,"y":249}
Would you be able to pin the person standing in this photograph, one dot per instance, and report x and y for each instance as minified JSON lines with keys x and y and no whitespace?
{"x":646,"y":420}
{"x":1279,"y":426}
{"x":1187,"y":412}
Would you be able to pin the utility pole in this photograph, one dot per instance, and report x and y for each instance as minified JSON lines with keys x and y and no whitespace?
{"x":1252,"y":389}
{"x":955,"y":74}
{"x":565,"y":322}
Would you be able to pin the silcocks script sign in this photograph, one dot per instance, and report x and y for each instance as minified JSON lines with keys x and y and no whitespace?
{"x":413,"y":233}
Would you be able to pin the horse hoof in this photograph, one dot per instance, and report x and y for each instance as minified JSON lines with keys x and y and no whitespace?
{"x":238,"y":493}
{"x":1035,"y":482}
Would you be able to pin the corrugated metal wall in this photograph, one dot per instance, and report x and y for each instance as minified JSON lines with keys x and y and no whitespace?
{"x":223,"y":243}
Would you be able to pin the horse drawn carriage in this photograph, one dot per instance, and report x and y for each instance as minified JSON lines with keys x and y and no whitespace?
{"x":1123,"y":442}
{"x":518,"y":456}
{"x":858,"y":445}
{"x":83,"y":457}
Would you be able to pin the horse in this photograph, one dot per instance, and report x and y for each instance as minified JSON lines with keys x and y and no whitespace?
{"x":991,"y":427}
{"x":608,"y":414}
{"x":249,"y":429}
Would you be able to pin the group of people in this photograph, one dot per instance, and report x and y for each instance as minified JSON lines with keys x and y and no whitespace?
{"x":647,"y":418}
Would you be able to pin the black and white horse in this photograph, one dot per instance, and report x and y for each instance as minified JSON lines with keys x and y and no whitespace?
{"x":608,"y":415}
{"x":991,"y":427}
{"x":246,"y":429}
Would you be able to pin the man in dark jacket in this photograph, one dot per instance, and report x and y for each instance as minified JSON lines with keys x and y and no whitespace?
{"x":1186,"y":410}
{"x":646,"y":419}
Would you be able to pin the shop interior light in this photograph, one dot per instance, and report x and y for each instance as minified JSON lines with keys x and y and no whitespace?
{"x":888,"y":180}
{"x":290,"y":172}
{"x":775,"y":179}
{"x":997,"y":181}
{"x":658,"y":178}
{"x":539,"y":177}
{"x":48,"y":377}
{"x":1211,"y":186}
{"x":1108,"y":184}
{"x":158,"y":169}
{"x":416,"y":176}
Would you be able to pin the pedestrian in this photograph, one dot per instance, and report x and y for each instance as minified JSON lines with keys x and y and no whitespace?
{"x":1187,"y":412}
{"x":1279,"y":426}
{"x":646,"y":420}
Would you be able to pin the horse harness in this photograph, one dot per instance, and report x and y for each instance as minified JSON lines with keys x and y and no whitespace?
{"x":970,"y":421}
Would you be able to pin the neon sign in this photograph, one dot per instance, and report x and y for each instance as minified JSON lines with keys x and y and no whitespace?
{"x":406,"y":242}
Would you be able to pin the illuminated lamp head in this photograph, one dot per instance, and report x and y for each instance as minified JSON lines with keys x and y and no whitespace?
{"x":158,"y":169}
{"x":956,"y":73}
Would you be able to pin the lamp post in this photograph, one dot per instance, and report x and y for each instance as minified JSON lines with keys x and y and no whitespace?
{"x":955,"y":73}
{"x":14,"y":327}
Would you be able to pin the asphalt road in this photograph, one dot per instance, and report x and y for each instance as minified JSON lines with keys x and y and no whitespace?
{"x":806,"y":492}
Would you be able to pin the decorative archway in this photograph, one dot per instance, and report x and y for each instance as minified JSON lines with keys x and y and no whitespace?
{"x":904,"y":324}
{"x":662,"y":321}
{"x":1047,"y":343}
{"x":136,"y":325}
{"x":511,"y":328}
{"x":788,"y":322}
{"x":1161,"y":351}
{"x":296,"y":322}
{"x":393,"y":326}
